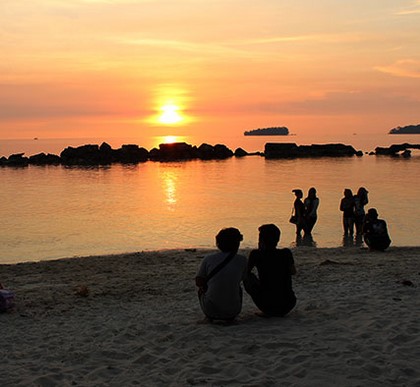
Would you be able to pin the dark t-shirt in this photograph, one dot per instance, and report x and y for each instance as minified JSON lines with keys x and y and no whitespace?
{"x":347,"y":206}
{"x":274,"y":272}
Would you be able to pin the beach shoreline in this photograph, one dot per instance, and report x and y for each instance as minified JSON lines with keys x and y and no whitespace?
{"x":134,"y":319}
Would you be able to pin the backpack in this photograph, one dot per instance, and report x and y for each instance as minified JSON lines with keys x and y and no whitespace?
{"x":7,"y":300}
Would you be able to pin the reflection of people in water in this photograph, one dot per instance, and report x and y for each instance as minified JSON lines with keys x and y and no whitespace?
{"x":360,"y":200}
{"x":272,"y":290}
{"x":311,"y":203}
{"x":375,"y":231}
{"x":299,"y":211}
{"x":347,"y":207}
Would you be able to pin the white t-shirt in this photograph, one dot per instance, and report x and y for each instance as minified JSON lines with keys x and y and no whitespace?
{"x":223,"y":298}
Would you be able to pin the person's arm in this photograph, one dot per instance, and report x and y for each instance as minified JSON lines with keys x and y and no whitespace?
{"x":200,"y":282}
{"x":251,"y":261}
{"x":292,"y":267}
{"x":342,"y":205}
{"x":200,"y":279}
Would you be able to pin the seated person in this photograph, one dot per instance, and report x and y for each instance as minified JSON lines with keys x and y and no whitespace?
{"x":375,"y":232}
{"x":219,"y":278}
{"x":272,"y":290}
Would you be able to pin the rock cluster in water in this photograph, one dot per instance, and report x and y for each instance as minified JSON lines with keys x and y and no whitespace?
{"x":127,"y":154}
{"x":133,"y":154}
{"x":292,"y":150}
{"x":397,"y":149}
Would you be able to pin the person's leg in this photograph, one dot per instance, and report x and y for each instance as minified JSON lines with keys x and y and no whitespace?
{"x":351,"y":226}
{"x":253,"y":288}
{"x":345,"y":226}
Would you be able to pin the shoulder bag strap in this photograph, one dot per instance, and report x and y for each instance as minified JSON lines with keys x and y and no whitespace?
{"x":221,"y":265}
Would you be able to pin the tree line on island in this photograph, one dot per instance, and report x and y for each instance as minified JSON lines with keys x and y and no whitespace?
{"x":273,"y":131}
{"x":409,"y":129}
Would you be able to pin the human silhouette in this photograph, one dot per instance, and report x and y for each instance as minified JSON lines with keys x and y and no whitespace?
{"x":219,"y":278}
{"x":375,"y":231}
{"x":272,"y":290}
{"x":360,"y":200}
{"x":299,"y":211}
{"x":347,"y":207}
{"x":311,"y":203}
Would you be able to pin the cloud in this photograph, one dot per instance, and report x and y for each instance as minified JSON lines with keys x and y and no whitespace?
{"x":412,"y":10}
{"x":343,"y":103}
{"x":407,"y":68}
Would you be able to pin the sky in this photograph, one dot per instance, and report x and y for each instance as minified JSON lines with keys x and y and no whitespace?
{"x":114,"y":68}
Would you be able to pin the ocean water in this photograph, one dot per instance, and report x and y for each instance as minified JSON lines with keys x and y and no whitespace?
{"x":55,"y":211}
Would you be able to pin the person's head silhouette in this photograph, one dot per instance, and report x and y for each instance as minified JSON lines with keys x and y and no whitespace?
{"x":229,"y":239}
{"x":269,"y":236}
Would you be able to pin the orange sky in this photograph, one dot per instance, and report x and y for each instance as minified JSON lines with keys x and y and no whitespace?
{"x":86,"y":68}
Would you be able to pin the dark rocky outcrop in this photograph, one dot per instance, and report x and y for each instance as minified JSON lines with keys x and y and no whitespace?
{"x":239,"y":152}
{"x":17,"y":160}
{"x":291,"y":150}
{"x":130,"y":154}
{"x":173,"y":152}
{"x":103,"y":155}
{"x":395,"y":149}
{"x":44,"y":159}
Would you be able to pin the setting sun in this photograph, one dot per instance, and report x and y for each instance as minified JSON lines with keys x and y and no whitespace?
{"x":170,"y":115}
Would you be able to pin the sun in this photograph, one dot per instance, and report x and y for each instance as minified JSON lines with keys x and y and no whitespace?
{"x":170,"y":114}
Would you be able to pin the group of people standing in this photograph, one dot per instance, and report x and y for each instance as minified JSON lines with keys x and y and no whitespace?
{"x":353,"y":208}
{"x":368,"y":226}
{"x":305,"y":213}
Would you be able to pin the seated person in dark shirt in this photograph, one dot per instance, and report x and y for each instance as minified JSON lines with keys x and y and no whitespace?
{"x":375,"y":232}
{"x":272,"y":290}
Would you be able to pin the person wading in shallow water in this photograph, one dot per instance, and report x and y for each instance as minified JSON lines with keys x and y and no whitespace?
{"x":219,"y":278}
{"x":272,"y":290}
{"x":347,"y":207}
{"x":311,"y":203}
{"x":299,"y":212}
{"x":360,"y":200}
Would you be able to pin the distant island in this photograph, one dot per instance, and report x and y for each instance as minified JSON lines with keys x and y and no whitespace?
{"x":275,"y":131}
{"x":410,"y":129}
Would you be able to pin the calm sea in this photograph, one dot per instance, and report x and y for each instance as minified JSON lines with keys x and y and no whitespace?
{"x":53,"y":212}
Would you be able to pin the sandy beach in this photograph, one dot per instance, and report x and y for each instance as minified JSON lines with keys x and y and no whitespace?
{"x":134,"y":319}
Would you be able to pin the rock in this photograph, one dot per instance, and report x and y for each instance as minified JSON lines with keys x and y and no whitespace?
{"x":205,"y":152}
{"x":173,"y":152}
{"x":291,"y":150}
{"x":82,"y":155}
{"x":131,"y":154}
{"x":44,"y":159}
{"x":395,"y":149}
{"x":239,"y":152}
{"x":18,"y":160}
{"x":222,"y":152}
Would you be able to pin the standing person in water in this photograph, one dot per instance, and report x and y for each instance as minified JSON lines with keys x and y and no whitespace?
{"x":311,"y":203}
{"x":347,"y":207}
{"x":299,"y":211}
{"x":272,"y":290}
{"x":219,"y":278}
{"x":360,"y":200}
